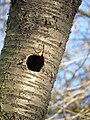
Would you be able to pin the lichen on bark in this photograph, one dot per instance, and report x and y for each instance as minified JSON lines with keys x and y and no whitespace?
{"x":25,"y":94}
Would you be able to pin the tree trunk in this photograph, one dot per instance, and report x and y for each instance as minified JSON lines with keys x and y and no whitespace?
{"x":37,"y":32}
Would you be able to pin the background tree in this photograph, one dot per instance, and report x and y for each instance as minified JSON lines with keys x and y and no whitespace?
{"x":63,"y":113}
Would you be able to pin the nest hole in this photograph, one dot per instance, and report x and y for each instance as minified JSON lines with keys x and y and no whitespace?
{"x":35,"y":62}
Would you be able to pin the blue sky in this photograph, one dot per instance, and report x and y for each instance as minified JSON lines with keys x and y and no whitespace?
{"x":80,"y":36}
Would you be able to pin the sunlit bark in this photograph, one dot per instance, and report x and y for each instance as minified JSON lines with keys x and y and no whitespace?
{"x":37,"y":28}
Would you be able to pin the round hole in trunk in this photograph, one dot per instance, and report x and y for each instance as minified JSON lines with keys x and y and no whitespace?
{"x":35,"y":62}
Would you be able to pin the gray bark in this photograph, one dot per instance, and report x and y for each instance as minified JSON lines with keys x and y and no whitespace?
{"x":40,"y":28}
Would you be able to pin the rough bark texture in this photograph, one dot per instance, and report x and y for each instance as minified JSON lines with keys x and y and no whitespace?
{"x":40,"y":28}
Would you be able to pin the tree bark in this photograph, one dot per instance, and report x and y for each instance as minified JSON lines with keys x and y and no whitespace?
{"x":36,"y":36}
